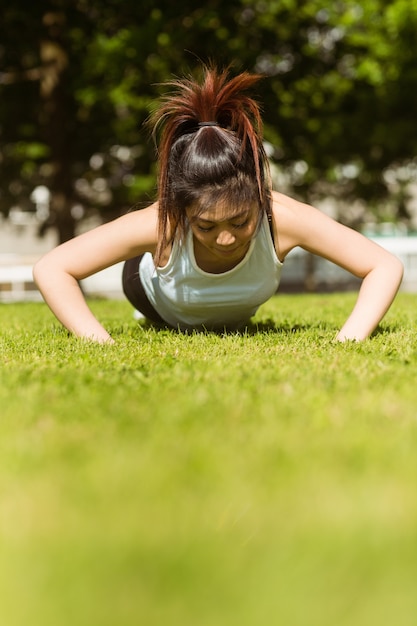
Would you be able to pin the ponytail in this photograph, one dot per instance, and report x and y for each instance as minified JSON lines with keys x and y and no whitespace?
{"x":210,"y":141}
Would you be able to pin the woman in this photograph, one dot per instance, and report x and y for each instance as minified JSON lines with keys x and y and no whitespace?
{"x":210,"y":250}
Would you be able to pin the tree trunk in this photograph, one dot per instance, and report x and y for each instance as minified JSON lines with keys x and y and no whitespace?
{"x":56,"y":121}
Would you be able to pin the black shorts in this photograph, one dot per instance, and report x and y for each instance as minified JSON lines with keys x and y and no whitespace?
{"x":135,"y":293}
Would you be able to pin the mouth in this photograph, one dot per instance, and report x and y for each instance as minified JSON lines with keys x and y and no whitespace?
{"x":227,"y":252}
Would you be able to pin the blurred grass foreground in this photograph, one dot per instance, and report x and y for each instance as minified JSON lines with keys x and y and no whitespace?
{"x":266,"y":477}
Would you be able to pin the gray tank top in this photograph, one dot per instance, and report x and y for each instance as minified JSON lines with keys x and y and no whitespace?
{"x":187,"y":297}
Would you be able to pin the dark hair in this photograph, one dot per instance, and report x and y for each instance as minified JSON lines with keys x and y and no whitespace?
{"x":210,"y":149}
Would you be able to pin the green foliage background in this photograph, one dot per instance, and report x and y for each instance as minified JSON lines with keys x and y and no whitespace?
{"x":78,"y":79}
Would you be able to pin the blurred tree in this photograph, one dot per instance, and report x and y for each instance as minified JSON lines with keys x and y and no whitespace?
{"x":344,"y":79}
{"x":78,"y":79}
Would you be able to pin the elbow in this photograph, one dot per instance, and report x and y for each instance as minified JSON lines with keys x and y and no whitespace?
{"x":49,"y":274}
{"x":398,"y":270}
{"x":392,"y":273}
{"x":36,"y":272}
{"x":388,"y":273}
{"x":40,"y":272}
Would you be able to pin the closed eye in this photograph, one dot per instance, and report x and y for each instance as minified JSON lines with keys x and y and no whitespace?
{"x":236,"y":225}
{"x":241,"y":224}
{"x":205,"y":229}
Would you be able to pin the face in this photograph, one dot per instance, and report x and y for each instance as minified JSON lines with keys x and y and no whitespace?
{"x":222,"y":234}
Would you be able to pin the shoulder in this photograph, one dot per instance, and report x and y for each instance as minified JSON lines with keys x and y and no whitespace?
{"x":299,"y":224}
{"x":294,"y":222}
{"x":147,"y":216}
{"x":125,"y":237}
{"x":287,"y":209}
{"x":132,"y":234}
{"x":139,"y":226}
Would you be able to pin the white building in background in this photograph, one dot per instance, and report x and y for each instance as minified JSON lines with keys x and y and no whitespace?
{"x":20,"y":247}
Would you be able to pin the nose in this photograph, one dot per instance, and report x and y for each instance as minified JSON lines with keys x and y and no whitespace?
{"x":225,"y":238}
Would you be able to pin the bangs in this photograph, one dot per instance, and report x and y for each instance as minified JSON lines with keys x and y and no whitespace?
{"x":230,"y":198}
{"x":224,"y":212}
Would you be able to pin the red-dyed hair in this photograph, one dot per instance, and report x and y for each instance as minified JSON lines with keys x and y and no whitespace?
{"x":203,"y":165}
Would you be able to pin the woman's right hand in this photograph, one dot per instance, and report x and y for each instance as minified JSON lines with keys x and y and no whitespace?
{"x":57,"y":273}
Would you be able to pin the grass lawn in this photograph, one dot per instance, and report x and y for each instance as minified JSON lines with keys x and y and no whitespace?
{"x":250,"y":479}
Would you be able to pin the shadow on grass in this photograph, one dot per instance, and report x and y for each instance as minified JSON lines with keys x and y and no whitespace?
{"x":252,"y":328}
{"x":268,"y":326}
{"x":388,"y":329}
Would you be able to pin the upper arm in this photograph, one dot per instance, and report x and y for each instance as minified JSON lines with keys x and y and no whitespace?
{"x":299,"y":224}
{"x":126,"y":237}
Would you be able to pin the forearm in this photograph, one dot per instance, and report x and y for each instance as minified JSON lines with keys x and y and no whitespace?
{"x":64,"y":297}
{"x":376,"y":295}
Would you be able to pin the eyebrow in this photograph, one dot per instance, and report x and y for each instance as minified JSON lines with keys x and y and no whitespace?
{"x":228,"y":219}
